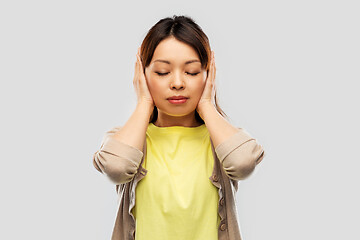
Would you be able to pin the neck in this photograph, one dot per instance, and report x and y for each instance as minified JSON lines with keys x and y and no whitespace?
{"x":164,"y":120}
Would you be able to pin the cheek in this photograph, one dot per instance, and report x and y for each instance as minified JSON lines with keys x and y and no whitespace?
{"x":202,"y":80}
{"x":155,"y":86}
{"x":198,"y":87}
{"x":150,"y":81}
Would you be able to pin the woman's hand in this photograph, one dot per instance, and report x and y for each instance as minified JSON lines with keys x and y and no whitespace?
{"x":208,"y":95}
{"x":140,"y":83}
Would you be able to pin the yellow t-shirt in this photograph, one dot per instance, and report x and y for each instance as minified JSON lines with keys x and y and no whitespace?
{"x":176,"y":200}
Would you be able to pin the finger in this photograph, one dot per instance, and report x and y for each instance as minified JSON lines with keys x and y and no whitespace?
{"x":140,"y":62}
{"x":136,"y":69}
{"x":140,"y":65}
{"x":213,"y":68}
{"x":210,"y":69}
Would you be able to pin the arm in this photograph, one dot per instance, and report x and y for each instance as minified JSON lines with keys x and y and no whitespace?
{"x":120,"y":153}
{"x":239,"y":154}
{"x":236,"y":149}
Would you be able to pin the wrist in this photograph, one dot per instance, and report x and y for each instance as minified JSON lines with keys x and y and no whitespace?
{"x":204,"y":108}
{"x":145,"y":107}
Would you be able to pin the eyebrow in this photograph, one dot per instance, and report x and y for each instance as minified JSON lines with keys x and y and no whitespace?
{"x":187,"y":62}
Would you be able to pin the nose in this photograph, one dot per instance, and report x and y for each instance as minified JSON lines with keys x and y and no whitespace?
{"x":177,"y":81}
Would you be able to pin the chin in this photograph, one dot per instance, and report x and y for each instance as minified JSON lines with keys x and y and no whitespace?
{"x":176,"y":111}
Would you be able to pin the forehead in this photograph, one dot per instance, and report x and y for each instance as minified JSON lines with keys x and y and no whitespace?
{"x":174,"y":52}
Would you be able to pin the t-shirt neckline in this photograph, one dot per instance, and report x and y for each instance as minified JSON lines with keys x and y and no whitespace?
{"x":200,"y":128}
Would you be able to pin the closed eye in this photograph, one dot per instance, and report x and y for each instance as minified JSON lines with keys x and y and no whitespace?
{"x":163,"y":74}
{"x":194,"y":74}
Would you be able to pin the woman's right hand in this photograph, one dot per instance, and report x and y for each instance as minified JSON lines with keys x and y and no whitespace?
{"x":140,"y":83}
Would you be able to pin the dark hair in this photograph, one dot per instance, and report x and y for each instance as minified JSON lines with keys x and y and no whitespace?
{"x":184,"y":29}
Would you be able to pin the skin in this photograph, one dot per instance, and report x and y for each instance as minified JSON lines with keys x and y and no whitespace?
{"x":180,"y":79}
{"x":178,"y":82}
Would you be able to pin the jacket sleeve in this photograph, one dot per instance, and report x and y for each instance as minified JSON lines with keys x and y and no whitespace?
{"x":116,"y":160}
{"x":239,"y":154}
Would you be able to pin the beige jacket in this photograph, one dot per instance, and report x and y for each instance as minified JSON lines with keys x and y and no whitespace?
{"x":235,"y":159}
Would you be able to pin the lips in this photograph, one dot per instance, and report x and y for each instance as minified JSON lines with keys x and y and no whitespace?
{"x":177,"y":97}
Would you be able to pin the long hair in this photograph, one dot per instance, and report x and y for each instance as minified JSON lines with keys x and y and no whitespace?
{"x":184,"y":29}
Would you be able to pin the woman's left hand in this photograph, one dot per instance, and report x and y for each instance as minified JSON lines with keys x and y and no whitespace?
{"x":208,"y":95}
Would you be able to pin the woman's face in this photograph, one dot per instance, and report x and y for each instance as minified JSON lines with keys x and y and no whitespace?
{"x":169,"y":74}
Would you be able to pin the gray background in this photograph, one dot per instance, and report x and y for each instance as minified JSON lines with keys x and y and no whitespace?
{"x":286,"y":72}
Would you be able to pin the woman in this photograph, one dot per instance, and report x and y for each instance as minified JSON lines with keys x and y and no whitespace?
{"x":177,"y":161}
